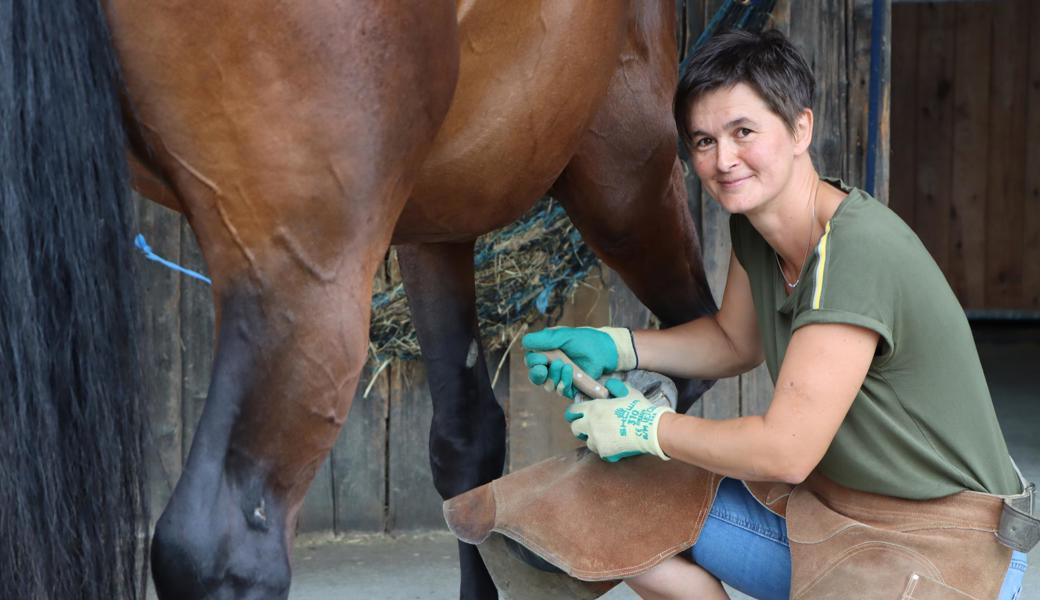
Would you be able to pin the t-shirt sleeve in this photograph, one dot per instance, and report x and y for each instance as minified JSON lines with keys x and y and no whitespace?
{"x":852,"y":284}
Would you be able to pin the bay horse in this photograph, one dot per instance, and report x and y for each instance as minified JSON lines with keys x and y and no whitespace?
{"x":300,"y":139}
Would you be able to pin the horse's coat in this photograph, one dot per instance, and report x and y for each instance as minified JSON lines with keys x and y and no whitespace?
{"x":299,"y":139}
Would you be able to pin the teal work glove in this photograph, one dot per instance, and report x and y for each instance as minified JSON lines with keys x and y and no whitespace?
{"x":594,"y":350}
{"x":618,"y":427}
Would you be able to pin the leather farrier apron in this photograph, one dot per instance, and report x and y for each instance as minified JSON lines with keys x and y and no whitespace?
{"x":600,"y":522}
{"x":847,"y":543}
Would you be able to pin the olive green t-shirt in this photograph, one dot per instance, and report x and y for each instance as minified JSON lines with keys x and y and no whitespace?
{"x":922,"y":426}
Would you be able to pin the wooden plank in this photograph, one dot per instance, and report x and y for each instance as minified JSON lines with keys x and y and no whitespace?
{"x":317,"y":513}
{"x":756,"y":391}
{"x":624,"y":309}
{"x":1031,"y":272}
{"x":359,"y":460}
{"x":1004,"y":208}
{"x":537,"y":429}
{"x":348,"y":492}
{"x":967,"y":266}
{"x":818,"y":31}
{"x":412,"y":501}
{"x":858,"y":30}
{"x":934,"y":125}
{"x":501,"y":385}
{"x":904,"y":108}
{"x":883,"y":150}
{"x":693,"y":201}
{"x":197,"y":337}
{"x":781,"y":17}
{"x":722,"y":400}
{"x":160,"y":343}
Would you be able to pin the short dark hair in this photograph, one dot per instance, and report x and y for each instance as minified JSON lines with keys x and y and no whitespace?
{"x":767,"y":62}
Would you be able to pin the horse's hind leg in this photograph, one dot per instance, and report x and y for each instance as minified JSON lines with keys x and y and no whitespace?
{"x":467,"y":436}
{"x":624,"y":188}
{"x":294,"y":151}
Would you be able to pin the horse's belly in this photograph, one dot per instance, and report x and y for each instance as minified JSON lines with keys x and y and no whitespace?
{"x":532,"y":75}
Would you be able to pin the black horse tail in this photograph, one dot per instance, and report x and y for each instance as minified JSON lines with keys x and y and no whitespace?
{"x":71,"y":426}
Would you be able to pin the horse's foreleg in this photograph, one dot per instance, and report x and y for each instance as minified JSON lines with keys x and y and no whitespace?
{"x":291,"y":345}
{"x":624,"y":188}
{"x":467,"y":436}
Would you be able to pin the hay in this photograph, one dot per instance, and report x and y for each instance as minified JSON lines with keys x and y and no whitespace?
{"x":524,"y":272}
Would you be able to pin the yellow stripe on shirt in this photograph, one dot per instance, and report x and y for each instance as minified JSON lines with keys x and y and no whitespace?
{"x":820,"y":266}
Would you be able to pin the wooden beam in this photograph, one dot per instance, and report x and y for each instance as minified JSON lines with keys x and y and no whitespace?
{"x":161,"y":344}
{"x":967,"y":243}
{"x":1006,"y":184}
{"x":860,"y":82}
{"x":413,"y":502}
{"x":197,"y":335}
{"x":903,"y":153}
{"x":934,"y":129}
{"x":818,"y":30}
{"x":1031,"y":272}
{"x":359,"y":458}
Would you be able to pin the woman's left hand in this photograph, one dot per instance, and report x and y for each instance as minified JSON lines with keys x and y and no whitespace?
{"x":618,"y":427}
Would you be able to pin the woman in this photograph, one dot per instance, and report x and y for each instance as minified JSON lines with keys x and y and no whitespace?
{"x":880,"y":404}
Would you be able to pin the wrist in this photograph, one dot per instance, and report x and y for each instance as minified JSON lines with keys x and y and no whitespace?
{"x":663,"y":434}
{"x":625,"y":345}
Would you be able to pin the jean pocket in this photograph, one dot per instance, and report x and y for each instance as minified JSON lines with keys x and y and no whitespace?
{"x":923,"y":587}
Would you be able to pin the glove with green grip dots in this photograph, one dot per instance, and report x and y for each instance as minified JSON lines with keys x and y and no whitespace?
{"x":619,"y":427}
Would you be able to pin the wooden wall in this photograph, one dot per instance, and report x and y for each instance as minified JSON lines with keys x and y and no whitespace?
{"x":966,"y":144}
{"x":377,"y":478}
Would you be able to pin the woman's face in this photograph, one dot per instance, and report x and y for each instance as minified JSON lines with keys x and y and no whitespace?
{"x":742,"y":152}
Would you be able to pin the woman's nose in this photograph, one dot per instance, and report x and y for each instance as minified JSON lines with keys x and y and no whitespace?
{"x":725,"y":156}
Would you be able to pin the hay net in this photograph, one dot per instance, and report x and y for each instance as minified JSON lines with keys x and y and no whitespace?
{"x":524,"y":272}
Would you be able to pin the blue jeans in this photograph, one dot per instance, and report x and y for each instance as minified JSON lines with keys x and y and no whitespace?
{"x":745,"y":546}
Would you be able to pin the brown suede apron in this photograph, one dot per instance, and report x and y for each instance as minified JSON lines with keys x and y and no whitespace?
{"x":600,"y":522}
{"x":846,"y":543}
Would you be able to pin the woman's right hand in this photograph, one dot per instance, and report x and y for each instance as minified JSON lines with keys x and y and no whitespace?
{"x":595,"y":350}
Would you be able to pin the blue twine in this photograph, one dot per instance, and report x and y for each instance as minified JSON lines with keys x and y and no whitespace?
{"x":145,"y":249}
{"x":542,"y":301}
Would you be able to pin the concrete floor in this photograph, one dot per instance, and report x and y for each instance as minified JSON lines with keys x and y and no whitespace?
{"x":424,"y":565}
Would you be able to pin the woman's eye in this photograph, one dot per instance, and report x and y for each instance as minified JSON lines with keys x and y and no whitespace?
{"x":703,"y":142}
{"x":744,"y":132}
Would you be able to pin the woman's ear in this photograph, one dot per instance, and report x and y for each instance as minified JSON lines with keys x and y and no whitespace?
{"x":803,"y":130}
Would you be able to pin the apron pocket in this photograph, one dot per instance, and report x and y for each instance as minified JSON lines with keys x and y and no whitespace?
{"x":868,"y":570}
{"x":923,"y":587}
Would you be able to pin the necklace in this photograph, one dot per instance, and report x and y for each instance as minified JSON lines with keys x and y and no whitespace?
{"x":808,"y":245}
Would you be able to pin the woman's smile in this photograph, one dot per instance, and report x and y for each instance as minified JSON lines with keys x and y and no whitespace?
{"x":732,"y":183}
